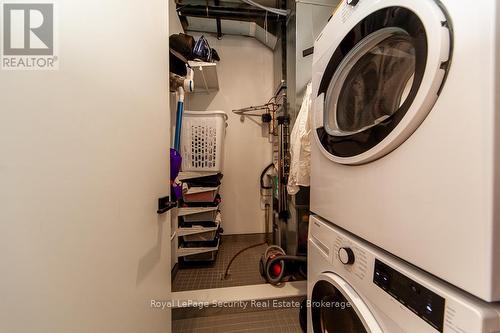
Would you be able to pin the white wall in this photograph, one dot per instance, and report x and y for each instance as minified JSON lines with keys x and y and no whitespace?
{"x":245,"y":79}
{"x":83,"y":159}
{"x":175,"y":25}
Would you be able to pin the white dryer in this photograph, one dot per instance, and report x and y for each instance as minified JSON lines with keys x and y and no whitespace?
{"x":407,"y":133}
{"x":354,"y":287}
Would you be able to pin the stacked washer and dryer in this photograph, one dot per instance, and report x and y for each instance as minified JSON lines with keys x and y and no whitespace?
{"x":405,"y":187}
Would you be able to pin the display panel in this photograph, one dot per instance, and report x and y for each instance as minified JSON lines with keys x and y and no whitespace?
{"x":423,"y":302}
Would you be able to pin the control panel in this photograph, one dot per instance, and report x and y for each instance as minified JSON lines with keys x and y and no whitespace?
{"x":352,"y":257}
{"x":423,"y":302}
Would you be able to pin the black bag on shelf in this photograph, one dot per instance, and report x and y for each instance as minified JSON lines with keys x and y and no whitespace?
{"x":181,"y":50}
{"x":204,"y":52}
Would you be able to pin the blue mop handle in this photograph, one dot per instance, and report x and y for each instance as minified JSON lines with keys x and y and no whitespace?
{"x":178,"y":126}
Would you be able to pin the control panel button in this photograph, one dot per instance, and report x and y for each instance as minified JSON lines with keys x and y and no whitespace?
{"x":346,"y":256}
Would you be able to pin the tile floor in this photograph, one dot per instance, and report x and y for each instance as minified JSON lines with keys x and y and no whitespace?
{"x":272,"y":321}
{"x":244,"y":270}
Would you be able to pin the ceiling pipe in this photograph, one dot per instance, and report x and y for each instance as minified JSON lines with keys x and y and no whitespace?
{"x":239,"y":14}
{"x":278,"y":11}
{"x":218,"y":22}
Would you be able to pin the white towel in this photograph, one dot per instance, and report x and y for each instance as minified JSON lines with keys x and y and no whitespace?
{"x":300,"y":146}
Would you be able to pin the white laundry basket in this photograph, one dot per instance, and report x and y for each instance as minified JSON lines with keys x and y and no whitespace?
{"x":202,"y":141}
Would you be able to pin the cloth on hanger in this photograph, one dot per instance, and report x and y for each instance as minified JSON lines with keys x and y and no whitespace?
{"x":300,"y":146}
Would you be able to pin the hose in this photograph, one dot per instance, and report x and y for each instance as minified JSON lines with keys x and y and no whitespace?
{"x":262,"y":186}
{"x":268,"y":227}
{"x":277,"y":280}
{"x":262,"y":175}
{"x":267,"y":242}
{"x":226,"y":273}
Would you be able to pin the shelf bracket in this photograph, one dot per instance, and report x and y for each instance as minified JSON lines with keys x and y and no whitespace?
{"x":164,"y":205}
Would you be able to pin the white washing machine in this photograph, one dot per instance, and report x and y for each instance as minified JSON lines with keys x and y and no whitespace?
{"x":407,"y":133}
{"x":356,"y":288}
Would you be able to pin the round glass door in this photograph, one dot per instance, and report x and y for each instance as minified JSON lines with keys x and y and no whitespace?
{"x":338,"y":318}
{"x":336,"y":309}
{"x":371,"y":83}
{"x":380,"y":83}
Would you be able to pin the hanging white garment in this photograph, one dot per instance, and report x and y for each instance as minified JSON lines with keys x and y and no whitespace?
{"x":300,"y":146}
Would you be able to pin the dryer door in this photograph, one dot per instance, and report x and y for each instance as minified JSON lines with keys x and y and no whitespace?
{"x":382,"y":78}
{"x":337,"y":308}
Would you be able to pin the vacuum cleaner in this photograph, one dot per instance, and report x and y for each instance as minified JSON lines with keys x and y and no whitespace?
{"x":180,"y":84}
{"x":277,"y":267}
{"x":274,"y":265}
